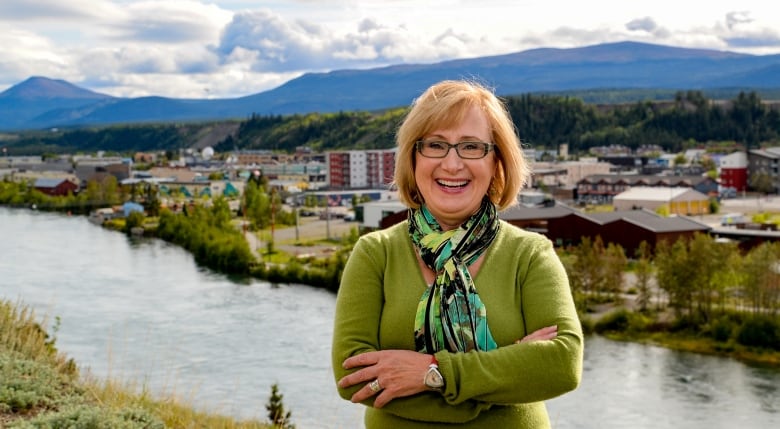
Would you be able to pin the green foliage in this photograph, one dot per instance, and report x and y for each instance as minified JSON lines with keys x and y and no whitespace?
{"x":695,"y":273}
{"x":714,"y":206}
{"x":322,"y":273}
{"x":643,"y":269}
{"x":722,"y":328}
{"x":213,"y":241}
{"x":674,"y":122}
{"x":27,"y":385}
{"x":96,"y":195}
{"x":760,"y":278}
{"x":279,"y":417}
{"x":320,"y":132}
{"x":760,"y":331}
{"x":595,"y":272}
{"x":622,"y":320}
{"x":84,"y":416}
{"x":133,"y":220}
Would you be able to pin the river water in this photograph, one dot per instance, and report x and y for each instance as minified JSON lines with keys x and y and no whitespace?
{"x":142,"y":311}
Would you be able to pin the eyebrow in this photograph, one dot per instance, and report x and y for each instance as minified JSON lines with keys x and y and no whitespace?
{"x":462,"y":139}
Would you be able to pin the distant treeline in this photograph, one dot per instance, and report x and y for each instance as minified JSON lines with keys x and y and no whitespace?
{"x":543,"y":121}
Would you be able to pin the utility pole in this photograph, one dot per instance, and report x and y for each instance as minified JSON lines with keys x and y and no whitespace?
{"x":327,"y":217}
{"x":273,"y":207}
{"x":296,"y":214}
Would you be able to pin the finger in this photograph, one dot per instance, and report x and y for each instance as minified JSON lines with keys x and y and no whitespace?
{"x":363,"y":359}
{"x":366,"y":392}
{"x":546,"y":333}
{"x":381,"y":400}
{"x":357,"y":377}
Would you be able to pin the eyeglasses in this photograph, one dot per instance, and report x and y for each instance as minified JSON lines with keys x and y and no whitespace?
{"x":465,"y":150}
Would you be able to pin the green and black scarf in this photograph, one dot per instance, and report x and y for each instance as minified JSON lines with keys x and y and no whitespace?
{"x":450,"y":315}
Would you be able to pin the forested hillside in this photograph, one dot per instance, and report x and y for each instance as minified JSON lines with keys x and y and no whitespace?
{"x":542,"y":121}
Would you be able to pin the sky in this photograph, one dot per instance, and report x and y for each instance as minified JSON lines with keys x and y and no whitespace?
{"x":232,"y":48}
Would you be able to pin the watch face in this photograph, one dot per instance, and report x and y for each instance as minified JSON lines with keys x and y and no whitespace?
{"x":434,"y":379}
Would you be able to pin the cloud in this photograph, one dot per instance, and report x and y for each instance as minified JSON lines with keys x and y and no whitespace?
{"x":229,"y":47}
{"x":279,"y":45}
{"x":648,"y":25}
{"x":25,"y":10}
{"x":744,"y":32}
{"x":172,"y":21}
{"x":735,"y":18}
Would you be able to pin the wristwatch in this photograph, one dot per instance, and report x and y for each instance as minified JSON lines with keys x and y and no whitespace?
{"x":433,"y":378}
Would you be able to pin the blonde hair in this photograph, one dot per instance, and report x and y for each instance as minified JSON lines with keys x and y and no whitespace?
{"x":443,"y":106}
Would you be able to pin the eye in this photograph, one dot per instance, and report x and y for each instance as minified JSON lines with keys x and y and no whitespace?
{"x":471,"y":146}
{"x":436,"y":145}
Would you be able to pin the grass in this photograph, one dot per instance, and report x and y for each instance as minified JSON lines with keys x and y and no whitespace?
{"x":42,"y":388}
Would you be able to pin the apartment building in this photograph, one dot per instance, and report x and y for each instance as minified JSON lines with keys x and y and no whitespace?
{"x":766,"y":161}
{"x":360,"y":168}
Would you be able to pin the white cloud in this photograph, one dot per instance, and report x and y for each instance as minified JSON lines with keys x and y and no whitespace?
{"x":222,"y":48}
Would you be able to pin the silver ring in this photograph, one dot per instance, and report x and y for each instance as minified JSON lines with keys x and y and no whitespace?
{"x":374,"y":386}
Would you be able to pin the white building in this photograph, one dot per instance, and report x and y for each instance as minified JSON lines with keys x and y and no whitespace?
{"x":681,"y":201}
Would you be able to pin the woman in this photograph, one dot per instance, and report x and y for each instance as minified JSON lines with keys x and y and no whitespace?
{"x":431,"y":312}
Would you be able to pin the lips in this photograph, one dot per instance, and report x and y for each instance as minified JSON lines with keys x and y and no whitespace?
{"x":452,"y":183}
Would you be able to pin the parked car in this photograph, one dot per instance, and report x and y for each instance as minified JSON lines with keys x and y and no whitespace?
{"x":733,"y":219}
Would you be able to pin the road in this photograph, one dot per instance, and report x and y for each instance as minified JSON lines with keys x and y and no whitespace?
{"x":750,"y":205}
{"x":311,"y":232}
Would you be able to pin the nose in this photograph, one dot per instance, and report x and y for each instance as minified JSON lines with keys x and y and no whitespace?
{"x":452,"y":162}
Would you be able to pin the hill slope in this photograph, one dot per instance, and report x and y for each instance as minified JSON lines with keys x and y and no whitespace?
{"x":625,"y":65}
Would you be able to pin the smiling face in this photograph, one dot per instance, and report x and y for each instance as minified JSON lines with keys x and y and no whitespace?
{"x":451,"y":187}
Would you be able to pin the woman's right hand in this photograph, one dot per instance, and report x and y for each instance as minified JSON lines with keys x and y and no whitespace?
{"x":546,"y":333}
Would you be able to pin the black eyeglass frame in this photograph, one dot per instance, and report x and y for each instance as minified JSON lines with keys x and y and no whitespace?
{"x":487,"y":148}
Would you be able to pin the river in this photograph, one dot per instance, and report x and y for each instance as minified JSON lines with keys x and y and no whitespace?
{"x":141,"y":310}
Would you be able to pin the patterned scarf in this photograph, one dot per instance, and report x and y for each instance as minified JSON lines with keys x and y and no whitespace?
{"x":450,"y":315}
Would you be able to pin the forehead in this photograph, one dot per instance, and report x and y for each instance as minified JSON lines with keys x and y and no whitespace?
{"x":471,"y":121}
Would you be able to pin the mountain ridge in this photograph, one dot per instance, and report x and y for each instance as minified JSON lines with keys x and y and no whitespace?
{"x":40,"y":102}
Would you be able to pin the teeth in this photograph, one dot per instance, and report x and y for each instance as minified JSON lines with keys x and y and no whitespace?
{"x":452,"y":183}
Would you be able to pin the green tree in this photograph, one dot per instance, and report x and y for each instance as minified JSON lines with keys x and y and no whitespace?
{"x":761,"y":182}
{"x":643,"y":269}
{"x":760,"y":274}
{"x":585,"y":275}
{"x":675,"y":274}
{"x":614,"y":263}
{"x":279,"y":417}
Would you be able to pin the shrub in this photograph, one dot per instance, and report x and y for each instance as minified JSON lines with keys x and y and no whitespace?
{"x":587,"y":324}
{"x":92,"y":417}
{"x":759,"y":331}
{"x":26,"y":385}
{"x":615,"y":321}
{"x":722,"y":328}
{"x":622,"y":320}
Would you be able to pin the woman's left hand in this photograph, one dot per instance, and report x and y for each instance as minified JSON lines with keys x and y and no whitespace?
{"x":399,"y":373}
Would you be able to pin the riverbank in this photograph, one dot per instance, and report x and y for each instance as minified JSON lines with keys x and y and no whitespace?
{"x":41,"y":387}
{"x":657,"y":332}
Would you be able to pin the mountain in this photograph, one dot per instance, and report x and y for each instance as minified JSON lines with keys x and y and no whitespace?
{"x":25,"y":101}
{"x":40,"y":102}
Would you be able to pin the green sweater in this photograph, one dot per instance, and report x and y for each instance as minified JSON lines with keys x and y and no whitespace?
{"x":524,"y":288}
